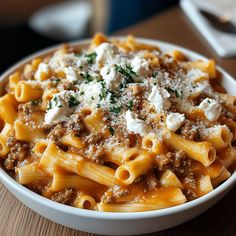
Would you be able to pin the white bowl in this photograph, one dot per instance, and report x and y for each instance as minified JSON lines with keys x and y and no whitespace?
{"x":118,"y":223}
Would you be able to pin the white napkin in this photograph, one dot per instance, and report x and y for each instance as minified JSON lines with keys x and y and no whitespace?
{"x":63,"y":21}
{"x":223,"y":43}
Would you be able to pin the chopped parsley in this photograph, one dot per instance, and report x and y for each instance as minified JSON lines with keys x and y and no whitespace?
{"x":104,"y":91}
{"x":77,"y":135}
{"x":111,"y":130}
{"x":34,"y":102}
{"x":127,"y":72}
{"x":115,"y":110}
{"x":55,"y":102}
{"x":174,"y":91}
{"x":208,"y":101}
{"x":82,"y":93}
{"x":113,"y":97}
{"x":91,"y":57}
{"x":155,"y":74}
{"x":86,"y":76}
{"x":92,"y":98}
{"x":56,"y":80}
{"x":130,"y":105}
{"x":73,"y":101}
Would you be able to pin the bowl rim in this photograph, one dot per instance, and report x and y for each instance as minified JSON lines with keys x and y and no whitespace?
{"x":12,"y":184}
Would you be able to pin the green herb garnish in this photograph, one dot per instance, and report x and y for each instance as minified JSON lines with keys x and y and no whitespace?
{"x":77,"y":135}
{"x":170,"y":90}
{"x":82,"y":93}
{"x":130,"y":105}
{"x":104,"y":91}
{"x":73,"y":101}
{"x":127,"y":72}
{"x":91,"y":57}
{"x":55,"y":102}
{"x":115,"y":110}
{"x":34,"y":102}
{"x":56,"y":80}
{"x":111,"y":130}
{"x":87,"y":77}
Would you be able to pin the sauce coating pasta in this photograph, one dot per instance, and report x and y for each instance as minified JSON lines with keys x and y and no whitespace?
{"x":118,"y":126}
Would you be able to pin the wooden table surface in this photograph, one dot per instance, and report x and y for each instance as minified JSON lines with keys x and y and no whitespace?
{"x":171,"y":26}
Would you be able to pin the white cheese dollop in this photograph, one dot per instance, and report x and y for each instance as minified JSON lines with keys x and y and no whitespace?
{"x":135,"y":125}
{"x":174,"y":121}
{"x":211,"y":108}
{"x":91,"y":93}
{"x":42,"y":68}
{"x":105,"y":52}
{"x":159,"y":98}
{"x":196,"y":74}
{"x":139,"y":65}
{"x":111,"y":77}
{"x":70,"y":73}
{"x":59,"y":108}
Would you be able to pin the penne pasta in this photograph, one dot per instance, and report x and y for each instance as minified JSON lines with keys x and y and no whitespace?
{"x":169,"y":179}
{"x":29,"y":173}
{"x":25,"y":91}
{"x":220,"y":136}
{"x":85,"y":202}
{"x":203,"y":152}
{"x":162,"y":198}
{"x":6,"y":132}
{"x":53,"y":157}
{"x":71,"y":140}
{"x":62,"y":180}
{"x":128,"y":172}
{"x":8,"y":108}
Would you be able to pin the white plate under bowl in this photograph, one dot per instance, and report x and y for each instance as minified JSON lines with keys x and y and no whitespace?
{"x":118,"y":223}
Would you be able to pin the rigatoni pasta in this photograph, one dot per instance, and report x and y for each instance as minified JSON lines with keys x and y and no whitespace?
{"x":117,"y":126}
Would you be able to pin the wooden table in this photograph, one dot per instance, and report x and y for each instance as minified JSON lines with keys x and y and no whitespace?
{"x":171,"y":26}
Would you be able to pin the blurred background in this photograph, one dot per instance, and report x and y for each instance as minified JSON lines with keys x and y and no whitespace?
{"x":29,"y":25}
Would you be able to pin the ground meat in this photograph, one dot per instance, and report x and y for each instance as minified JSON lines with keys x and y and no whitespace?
{"x":56,"y":134}
{"x":18,"y":153}
{"x":176,"y":161}
{"x":152,"y":181}
{"x":95,"y":153}
{"x":11,"y":141}
{"x":66,"y":196}
{"x":113,"y":193}
{"x":187,"y":131}
{"x":190,"y":187}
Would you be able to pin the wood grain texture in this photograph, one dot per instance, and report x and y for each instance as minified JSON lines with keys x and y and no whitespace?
{"x":172,"y":26}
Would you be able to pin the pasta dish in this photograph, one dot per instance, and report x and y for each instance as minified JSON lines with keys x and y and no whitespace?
{"x":118,"y":126}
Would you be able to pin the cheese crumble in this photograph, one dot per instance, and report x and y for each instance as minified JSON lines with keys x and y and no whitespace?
{"x":211,"y":109}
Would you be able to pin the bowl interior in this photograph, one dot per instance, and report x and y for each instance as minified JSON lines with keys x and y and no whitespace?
{"x":228,"y":83}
